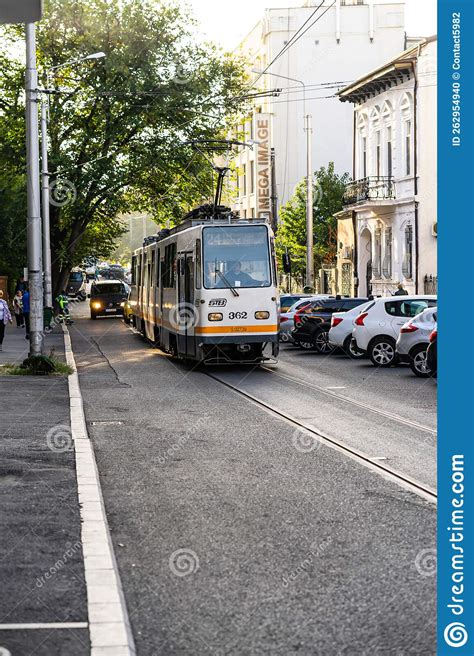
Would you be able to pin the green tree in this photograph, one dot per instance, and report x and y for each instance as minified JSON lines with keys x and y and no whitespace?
{"x":328,"y":195}
{"x":119,"y":125}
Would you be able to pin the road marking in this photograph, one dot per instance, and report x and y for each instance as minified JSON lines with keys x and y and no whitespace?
{"x":335,"y":388}
{"x":109,"y":625}
{"x":44,"y":625}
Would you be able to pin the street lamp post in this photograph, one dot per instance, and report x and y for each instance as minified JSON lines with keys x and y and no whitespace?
{"x":35,"y":283}
{"x":309,"y":178}
{"x":48,"y":287}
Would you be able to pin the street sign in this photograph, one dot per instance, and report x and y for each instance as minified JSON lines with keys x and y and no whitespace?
{"x":20,"y":11}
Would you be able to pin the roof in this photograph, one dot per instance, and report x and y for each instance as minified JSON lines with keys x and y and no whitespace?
{"x":396,"y":71}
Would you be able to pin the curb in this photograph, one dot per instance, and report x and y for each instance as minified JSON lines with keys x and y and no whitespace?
{"x":109,"y":625}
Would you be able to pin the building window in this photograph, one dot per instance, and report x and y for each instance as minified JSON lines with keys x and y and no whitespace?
{"x":407,"y":147}
{"x":377,"y":270}
{"x":364,"y":157}
{"x":407,"y":266}
{"x":378,"y":153}
{"x":237,"y":182}
{"x":389,"y":152}
{"x":252,"y":177}
{"x":244,"y":177}
{"x":387,"y":260}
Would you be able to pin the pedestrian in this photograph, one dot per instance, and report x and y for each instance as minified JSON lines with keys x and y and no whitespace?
{"x":5,"y":317}
{"x":26,"y":311}
{"x":21,"y":285}
{"x":18,"y":309}
{"x":401,"y":291}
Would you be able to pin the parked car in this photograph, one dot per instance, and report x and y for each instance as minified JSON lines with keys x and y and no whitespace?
{"x":288,"y":300}
{"x":312,"y":323}
{"x":287,"y":318}
{"x":432,"y":353}
{"x":377,"y":328}
{"x":107,"y":298}
{"x":413,"y":341}
{"x":342,"y":325}
{"x":76,"y":285}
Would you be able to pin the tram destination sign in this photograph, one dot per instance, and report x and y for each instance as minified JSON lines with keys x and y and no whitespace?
{"x":20,"y":11}
{"x":263,"y":168}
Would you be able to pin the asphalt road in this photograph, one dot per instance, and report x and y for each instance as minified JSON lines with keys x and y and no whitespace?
{"x":229,"y":539}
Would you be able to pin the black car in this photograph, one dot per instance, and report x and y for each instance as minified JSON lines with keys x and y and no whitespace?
{"x":107,"y":298}
{"x":76,"y":285}
{"x":432,"y":353}
{"x":312,"y":323}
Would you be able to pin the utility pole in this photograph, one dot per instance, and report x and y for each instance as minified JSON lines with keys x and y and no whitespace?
{"x":48,"y":285}
{"x":309,"y":205}
{"x":35,"y":282}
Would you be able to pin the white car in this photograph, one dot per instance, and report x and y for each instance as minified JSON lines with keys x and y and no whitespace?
{"x":342,"y":325}
{"x":412,"y":343}
{"x":286,"y":318}
{"x":376,"y":330}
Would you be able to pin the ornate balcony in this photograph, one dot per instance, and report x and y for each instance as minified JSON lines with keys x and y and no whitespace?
{"x":370,"y":189}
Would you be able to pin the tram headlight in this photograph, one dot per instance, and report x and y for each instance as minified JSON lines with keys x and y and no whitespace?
{"x":215,"y":316}
{"x":261,"y":314}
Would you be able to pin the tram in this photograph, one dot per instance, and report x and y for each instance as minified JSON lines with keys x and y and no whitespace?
{"x":207,"y":289}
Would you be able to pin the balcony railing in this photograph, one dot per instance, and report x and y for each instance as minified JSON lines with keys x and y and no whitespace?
{"x":373,"y":188}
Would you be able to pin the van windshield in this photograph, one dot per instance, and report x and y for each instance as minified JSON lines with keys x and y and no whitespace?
{"x":107,"y":289}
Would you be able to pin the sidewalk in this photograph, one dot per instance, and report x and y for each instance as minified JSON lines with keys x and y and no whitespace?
{"x":43,"y":605}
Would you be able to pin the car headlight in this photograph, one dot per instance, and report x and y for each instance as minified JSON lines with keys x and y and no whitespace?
{"x":215,"y":316}
{"x":122,"y":304}
{"x":96,"y":305}
{"x":261,"y":314}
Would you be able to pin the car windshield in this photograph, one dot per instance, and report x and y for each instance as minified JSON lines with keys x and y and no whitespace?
{"x":107,"y":289}
{"x":236,"y":257}
{"x":75,"y":276}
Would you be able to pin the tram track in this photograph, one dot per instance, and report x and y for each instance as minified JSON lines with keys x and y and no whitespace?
{"x":360,"y":404}
{"x":389,"y":473}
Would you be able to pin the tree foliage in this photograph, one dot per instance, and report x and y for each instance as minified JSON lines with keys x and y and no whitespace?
{"x":119,"y":125}
{"x":328,"y":195}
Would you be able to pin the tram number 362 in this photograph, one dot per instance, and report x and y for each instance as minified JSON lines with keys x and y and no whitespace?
{"x":237,"y":315}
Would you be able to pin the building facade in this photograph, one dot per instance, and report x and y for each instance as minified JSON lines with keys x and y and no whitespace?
{"x":387,"y":232}
{"x":343,"y":41}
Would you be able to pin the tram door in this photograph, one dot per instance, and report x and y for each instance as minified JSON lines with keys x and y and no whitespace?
{"x":186,"y":309}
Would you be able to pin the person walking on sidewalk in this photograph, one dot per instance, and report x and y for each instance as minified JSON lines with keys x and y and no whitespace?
{"x":18,"y":309}
{"x":5,"y":317}
{"x":26,"y":311}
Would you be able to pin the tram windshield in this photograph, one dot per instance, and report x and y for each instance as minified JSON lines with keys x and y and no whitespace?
{"x":236,"y":257}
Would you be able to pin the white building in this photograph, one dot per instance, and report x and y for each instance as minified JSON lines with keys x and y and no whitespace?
{"x":342,"y":42}
{"x":391,"y":204}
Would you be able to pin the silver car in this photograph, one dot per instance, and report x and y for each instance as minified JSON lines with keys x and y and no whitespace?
{"x":414,"y":339}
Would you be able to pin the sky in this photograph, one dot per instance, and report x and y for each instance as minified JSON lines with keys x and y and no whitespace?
{"x":227,"y":22}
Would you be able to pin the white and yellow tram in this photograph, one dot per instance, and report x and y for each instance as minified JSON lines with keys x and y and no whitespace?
{"x":207,"y":289}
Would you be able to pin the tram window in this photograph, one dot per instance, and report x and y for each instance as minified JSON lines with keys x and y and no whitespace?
{"x":170,"y":265}
{"x":134,"y":269}
{"x":238,"y":256}
{"x":198,"y":264}
{"x":158,"y":262}
{"x":152,"y":275}
{"x":139,"y":269}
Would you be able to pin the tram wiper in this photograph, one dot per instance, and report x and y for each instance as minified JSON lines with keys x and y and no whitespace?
{"x":227,"y":283}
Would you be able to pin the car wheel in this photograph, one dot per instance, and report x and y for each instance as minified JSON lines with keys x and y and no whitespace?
{"x":321,"y":342}
{"x":93,"y":316}
{"x":352,"y":352}
{"x":382,"y":352}
{"x":419,"y":363}
{"x":306,"y":345}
